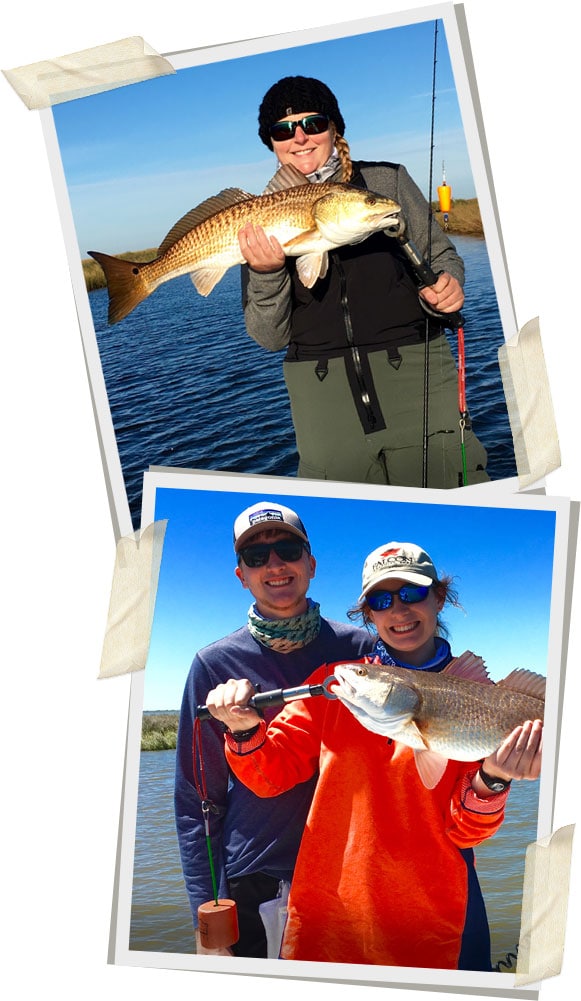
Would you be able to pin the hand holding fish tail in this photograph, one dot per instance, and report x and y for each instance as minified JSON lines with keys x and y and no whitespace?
{"x":261,"y":252}
{"x":228,"y":703}
{"x":520,"y":754}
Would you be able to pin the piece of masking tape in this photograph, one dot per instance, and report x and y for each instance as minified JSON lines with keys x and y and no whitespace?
{"x":91,"y":71}
{"x":132,"y":602}
{"x":544,"y":907}
{"x":529,"y":404}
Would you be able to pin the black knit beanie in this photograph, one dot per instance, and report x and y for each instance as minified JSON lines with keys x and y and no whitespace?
{"x":293,"y":95}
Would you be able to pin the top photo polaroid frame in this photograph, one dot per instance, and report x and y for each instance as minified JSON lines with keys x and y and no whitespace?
{"x":178,"y":381}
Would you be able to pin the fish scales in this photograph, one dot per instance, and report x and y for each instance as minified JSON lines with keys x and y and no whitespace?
{"x":284,"y":214}
{"x":470,"y":718}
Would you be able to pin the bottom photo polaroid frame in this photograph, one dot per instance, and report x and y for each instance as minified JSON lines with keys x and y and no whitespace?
{"x":511,"y":557}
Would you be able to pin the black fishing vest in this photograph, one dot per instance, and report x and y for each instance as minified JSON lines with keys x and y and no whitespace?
{"x":368,"y":301}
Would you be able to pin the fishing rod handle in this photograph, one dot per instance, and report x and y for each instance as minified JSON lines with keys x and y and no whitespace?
{"x":277,"y":697}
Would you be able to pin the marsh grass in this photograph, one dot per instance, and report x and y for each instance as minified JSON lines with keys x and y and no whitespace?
{"x":93,"y":272}
{"x":463,"y":219}
{"x":159,"y":731}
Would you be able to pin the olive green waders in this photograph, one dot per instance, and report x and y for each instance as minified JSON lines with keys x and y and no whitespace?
{"x":332,"y":444}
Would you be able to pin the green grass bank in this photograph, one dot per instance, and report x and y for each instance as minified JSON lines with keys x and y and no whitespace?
{"x":159,"y":731}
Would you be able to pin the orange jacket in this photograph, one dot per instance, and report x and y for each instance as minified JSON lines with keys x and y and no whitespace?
{"x":382,"y":875}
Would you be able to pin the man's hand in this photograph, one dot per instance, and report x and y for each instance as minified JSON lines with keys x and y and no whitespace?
{"x":228,"y":703}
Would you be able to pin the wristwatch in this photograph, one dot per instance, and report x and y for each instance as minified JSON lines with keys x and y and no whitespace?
{"x":492,"y":782}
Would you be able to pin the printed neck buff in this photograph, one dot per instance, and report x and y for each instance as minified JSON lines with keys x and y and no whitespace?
{"x":286,"y":635}
{"x":438,"y":662}
{"x":327,"y":170}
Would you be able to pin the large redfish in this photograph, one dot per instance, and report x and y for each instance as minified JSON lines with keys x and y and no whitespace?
{"x":307,"y":219}
{"x":458,"y":713}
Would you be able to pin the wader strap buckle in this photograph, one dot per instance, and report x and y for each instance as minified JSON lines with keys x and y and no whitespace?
{"x":393,"y":356}
{"x":322,"y":369}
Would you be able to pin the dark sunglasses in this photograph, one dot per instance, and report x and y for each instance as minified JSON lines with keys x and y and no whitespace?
{"x":312,"y":125}
{"x":288,"y":550}
{"x":410,"y":594}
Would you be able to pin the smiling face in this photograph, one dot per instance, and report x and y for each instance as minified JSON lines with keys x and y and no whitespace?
{"x":278,"y":588}
{"x":408,"y":629}
{"x":307,"y":153}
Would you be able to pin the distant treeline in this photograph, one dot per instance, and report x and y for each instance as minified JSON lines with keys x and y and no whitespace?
{"x":463,"y":220}
{"x":159,"y":731}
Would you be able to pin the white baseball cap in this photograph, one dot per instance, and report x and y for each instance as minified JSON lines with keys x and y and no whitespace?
{"x":266,"y":515}
{"x":402,"y":560}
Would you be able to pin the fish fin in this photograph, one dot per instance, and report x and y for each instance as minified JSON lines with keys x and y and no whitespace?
{"x":223,"y":200}
{"x":431,"y":766}
{"x":286,"y":177}
{"x":205,"y":279}
{"x":307,"y":236}
{"x":125,"y":284}
{"x":525,"y":683}
{"x":468,"y":665}
{"x":310,"y":267}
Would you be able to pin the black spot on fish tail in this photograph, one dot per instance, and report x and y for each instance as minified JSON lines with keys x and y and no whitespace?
{"x":125,"y":285}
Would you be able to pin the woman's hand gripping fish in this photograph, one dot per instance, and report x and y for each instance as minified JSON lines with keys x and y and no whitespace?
{"x":459,"y":713}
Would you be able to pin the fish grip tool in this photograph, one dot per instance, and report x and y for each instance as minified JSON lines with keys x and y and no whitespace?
{"x":427,"y":277}
{"x":280,"y":697}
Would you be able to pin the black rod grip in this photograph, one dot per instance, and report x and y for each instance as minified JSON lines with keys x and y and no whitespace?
{"x":277,"y":697}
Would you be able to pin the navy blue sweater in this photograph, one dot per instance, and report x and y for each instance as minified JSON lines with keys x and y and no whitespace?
{"x":248,"y":834}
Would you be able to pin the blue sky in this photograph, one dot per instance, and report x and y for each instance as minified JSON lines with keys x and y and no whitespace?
{"x":138,"y":157}
{"x":501,"y":559}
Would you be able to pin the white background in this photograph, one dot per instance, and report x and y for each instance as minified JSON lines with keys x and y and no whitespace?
{"x":64,"y":731}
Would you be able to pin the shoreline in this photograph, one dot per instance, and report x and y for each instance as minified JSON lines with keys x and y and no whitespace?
{"x":463,"y":220}
{"x":159,"y":731}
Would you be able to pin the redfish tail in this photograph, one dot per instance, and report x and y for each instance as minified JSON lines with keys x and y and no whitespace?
{"x":125,"y":284}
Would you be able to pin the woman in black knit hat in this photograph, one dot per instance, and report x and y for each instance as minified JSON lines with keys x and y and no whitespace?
{"x":355,"y":360}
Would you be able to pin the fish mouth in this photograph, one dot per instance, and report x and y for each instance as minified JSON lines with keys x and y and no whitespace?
{"x":344,"y":685}
{"x":392,"y":223}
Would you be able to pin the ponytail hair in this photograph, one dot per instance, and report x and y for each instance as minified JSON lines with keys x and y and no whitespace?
{"x":344,"y":154}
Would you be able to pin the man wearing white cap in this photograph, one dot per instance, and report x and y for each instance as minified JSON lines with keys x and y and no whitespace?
{"x":254,"y":840}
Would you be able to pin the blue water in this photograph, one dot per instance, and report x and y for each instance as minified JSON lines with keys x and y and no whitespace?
{"x":188,"y":387}
{"x":160,"y":914}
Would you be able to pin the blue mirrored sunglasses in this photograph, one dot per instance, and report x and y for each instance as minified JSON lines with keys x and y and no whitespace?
{"x":410,"y":594}
{"x":312,"y":125}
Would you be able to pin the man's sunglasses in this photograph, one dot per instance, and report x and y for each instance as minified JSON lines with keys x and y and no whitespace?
{"x":287,"y":550}
{"x":312,"y":125}
{"x":410,"y":594}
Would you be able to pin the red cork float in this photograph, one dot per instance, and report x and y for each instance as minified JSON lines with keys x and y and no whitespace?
{"x":218,"y":924}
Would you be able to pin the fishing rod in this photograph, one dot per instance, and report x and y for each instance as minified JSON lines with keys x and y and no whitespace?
{"x":454,"y":322}
{"x":425,"y":437}
{"x":279,"y":697}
